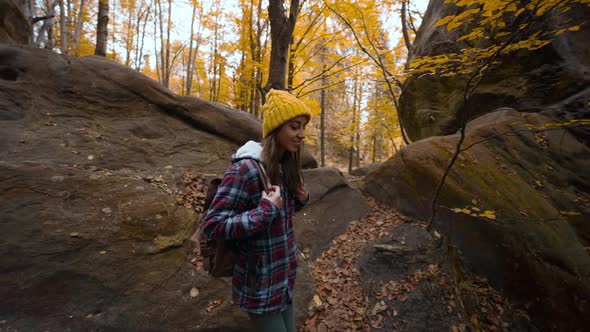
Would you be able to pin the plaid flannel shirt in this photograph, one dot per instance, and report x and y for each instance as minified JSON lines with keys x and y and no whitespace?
{"x":238,"y":212}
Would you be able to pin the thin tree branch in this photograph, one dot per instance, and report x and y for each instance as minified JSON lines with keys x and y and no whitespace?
{"x":331,"y":74}
{"x":321,"y":88}
{"x":325,"y":70}
{"x":318,"y":49}
{"x":41,"y":18}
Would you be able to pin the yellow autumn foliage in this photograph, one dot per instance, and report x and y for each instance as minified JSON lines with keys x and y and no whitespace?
{"x":491,"y":25}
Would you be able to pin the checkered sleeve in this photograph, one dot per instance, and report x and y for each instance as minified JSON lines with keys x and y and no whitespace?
{"x":231,"y":214}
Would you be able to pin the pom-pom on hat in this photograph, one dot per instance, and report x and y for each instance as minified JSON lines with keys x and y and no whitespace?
{"x":280,"y":107}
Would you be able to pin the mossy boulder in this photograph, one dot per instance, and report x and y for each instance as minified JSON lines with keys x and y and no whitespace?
{"x":533,"y":240}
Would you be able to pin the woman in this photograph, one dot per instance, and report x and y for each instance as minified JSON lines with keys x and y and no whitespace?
{"x":266,"y":263}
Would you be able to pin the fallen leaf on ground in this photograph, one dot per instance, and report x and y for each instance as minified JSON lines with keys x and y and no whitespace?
{"x":213,"y":304}
{"x":316,"y":300}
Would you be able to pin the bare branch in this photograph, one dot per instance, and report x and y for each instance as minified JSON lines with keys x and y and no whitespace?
{"x":318,"y":77}
{"x":41,"y":18}
{"x":321,"y":88}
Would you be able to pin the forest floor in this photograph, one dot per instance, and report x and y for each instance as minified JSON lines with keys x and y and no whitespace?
{"x":387,"y":273}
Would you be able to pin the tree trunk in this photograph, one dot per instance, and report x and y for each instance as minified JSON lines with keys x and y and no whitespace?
{"x":141,"y":56}
{"x":352,"y":135}
{"x":250,"y":92}
{"x":357,"y":122}
{"x":113,"y":18}
{"x":323,"y":129}
{"x":213,"y":65}
{"x":50,"y":44}
{"x":256,"y":50}
{"x":130,"y":35}
{"x":158,"y":54}
{"x":44,"y":36}
{"x":162,"y":63}
{"x":323,"y":118}
{"x":78,"y":30}
{"x":69,"y":25}
{"x":26,"y":7}
{"x":168,"y":28}
{"x":405,"y":26}
{"x":63,"y":33}
{"x":374,"y":147}
{"x":221,"y":73}
{"x":189,"y":68}
{"x":102,"y":28}
{"x":140,"y":41}
{"x":291,"y":68}
{"x":281,"y":31}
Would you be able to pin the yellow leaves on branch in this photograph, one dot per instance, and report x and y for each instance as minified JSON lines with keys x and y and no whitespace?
{"x":570,"y":213}
{"x":549,"y":125}
{"x":444,"y":20}
{"x":492,"y":18}
{"x":574,"y":28}
{"x":476,"y":212}
{"x":455,"y":21}
{"x":474,"y":34}
{"x":529,"y":44}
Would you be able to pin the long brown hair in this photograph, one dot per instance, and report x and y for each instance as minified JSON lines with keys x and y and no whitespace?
{"x":273,"y":160}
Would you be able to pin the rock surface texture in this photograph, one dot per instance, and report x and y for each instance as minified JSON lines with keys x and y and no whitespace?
{"x":431,"y":105}
{"x":14,"y":27}
{"x":94,"y":162}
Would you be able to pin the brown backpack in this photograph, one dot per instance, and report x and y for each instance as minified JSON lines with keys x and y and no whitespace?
{"x":219,"y":255}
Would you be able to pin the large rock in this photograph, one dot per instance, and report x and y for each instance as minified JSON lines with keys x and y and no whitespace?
{"x":81,"y":102}
{"x":15,"y":28}
{"x":430,"y":105}
{"x":93,"y":162}
{"x":535,"y":182}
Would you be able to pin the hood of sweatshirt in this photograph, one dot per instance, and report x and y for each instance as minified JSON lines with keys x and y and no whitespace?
{"x":250,"y":150}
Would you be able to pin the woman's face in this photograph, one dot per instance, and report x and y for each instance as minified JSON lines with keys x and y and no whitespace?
{"x":291,"y":134}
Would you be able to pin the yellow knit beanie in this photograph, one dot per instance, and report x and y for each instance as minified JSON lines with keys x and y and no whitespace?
{"x":280,"y":107}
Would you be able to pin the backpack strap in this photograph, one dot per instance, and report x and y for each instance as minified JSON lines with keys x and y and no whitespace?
{"x":264,"y":177}
{"x":252,"y":256}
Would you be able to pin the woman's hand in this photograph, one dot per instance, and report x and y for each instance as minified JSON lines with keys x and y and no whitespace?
{"x":274,"y":196}
{"x":302,"y":194}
